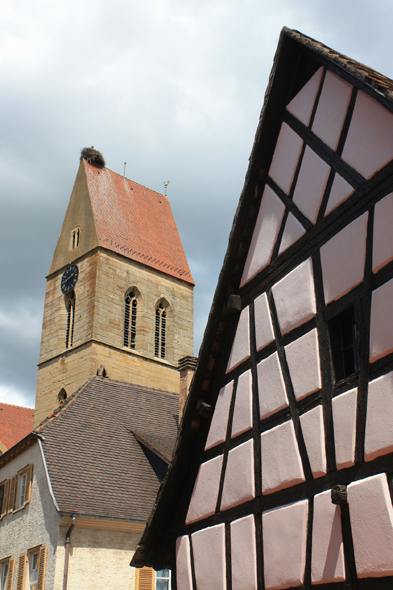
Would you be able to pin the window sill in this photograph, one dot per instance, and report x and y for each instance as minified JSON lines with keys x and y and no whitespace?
{"x":18,"y":509}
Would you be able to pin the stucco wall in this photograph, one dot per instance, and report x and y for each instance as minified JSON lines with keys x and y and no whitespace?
{"x":35,"y":524}
{"x":99,"y":559}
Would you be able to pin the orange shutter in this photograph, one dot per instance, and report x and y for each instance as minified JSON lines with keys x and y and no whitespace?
{"x":41,"y":569}
{"x":29,"y":481}
{"x":20,"y":584}
{"x":5,"y":499}
{"x":11,"y":496}
{"x":11,"y":566}
{"x":144,"y":578}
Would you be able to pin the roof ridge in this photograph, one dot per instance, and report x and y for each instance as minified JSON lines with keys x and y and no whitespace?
{"x":60,"y":410}
{"x":380,"y":83}
{"x":15,"y":406}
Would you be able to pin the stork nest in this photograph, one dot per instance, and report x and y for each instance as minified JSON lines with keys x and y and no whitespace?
{"x":93,"y":156}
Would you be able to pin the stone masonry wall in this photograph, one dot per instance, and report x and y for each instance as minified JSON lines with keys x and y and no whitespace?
{"x":104,"y":279}
{"x":115,"y":276}
{"x":75,"y":367}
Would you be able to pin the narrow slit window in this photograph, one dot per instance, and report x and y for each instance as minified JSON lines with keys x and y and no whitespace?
{"x":130,"y":311}
{"x":160,"y":332}
{"x":343,"y":340}
{"x":70,"y":322}
{"x":75,"y":234}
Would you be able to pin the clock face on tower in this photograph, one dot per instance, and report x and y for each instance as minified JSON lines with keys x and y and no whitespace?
{"x":69,"y":278}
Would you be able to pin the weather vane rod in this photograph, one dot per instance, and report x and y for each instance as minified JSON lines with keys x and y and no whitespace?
{"x":166,"y":182}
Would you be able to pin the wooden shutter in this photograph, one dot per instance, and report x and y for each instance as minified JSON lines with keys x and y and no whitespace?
{"x":29,"y":481}
{"x":5,"y":499}
{"x":11,"y":495}
{"x":20,"y":583}
{"x":144,"y":579}
{"x":41,"y":569}
{"x":11,"y":567}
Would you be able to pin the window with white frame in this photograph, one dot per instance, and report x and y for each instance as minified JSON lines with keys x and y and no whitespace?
{"x":163,"y":579}
{"x":22,"y":489}
{"x":19,"y":490}
{"x":4,"y":573}
{"x":33,"y":569}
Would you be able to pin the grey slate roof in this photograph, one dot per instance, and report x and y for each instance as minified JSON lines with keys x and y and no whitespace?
{"x":96,"y":465}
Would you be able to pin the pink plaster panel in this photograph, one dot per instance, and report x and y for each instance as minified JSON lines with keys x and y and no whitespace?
{"x":340,"y":191}
{"x":343,"y":259}
{"x":242,"y":415}
{"x":219,"y":423}
{"x":285,"y":158}
{"x":379,"y":421}
{"x":284,"y":545}
{"x":292,"y":232}
{"x":381,"y":325}
{"x":204,"y":496}
{"x":208,"y":547}
{"x":265,"y":234}
{"x":271,"y":387}
{"x":263,"y":322}
{"x":239,"y":478}
{"x":332,"y":109}
{"x":281,"y":463}
{"x":314,"y":438}
{"x":383,"y":234}
{"x":244,"y":554}
{"x":311,"y":184}
{"x":327,"y":559}
{"x":370,"y":508}
{"x":241,"y":344}
{"x":302,"y":104}
{"x":369,"y":144}
{"x":183,"y":564}
{"x":303,"y":362}
{"x":344,"y":424}
{"x":294,"y":297}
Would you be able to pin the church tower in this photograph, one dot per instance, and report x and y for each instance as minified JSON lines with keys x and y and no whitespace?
{"x":119,"y":293}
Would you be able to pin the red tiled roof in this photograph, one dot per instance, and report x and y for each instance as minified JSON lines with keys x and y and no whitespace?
{"x":15,"y":423}
{"x":135,"y":222}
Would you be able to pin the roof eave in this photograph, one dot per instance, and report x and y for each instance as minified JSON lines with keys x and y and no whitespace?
{"x":19,"y":447}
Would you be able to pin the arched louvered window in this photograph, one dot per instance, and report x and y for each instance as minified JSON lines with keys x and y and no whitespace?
{"x":160,"y":332}
{"x":130,"y":310}
{"x":70,"y":321}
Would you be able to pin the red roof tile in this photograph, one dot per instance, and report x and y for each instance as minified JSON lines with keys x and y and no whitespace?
{"x":136,"y":222}
{"x":15,"y":423}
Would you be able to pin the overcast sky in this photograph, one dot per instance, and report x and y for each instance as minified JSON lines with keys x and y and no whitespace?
{"x":172,"y":87}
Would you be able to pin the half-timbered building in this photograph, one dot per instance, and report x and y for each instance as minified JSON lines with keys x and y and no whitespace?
{"x":282,"y":475}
